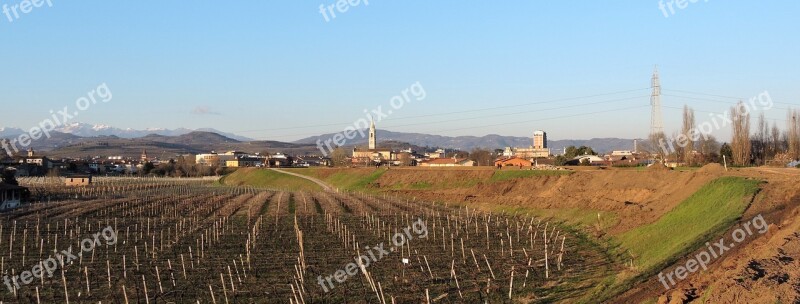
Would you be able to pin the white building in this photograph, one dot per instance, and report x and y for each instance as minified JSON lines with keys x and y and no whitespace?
{"x":593,"y":159}
{"x":216,"y":159}
{"x":434,"y":155}
{"x":539,"y":148}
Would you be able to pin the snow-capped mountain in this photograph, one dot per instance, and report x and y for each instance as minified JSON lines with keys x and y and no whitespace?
{"x":9,"y":132}
{"x":89,"y":130}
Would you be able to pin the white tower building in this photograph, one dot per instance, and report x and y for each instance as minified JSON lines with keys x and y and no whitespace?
{"x":372,"y":139}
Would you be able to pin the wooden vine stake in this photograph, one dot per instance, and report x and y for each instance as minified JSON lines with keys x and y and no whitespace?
{"x":511,"y":284}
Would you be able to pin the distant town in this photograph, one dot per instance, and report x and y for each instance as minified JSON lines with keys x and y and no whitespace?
{"x":691,"y":147}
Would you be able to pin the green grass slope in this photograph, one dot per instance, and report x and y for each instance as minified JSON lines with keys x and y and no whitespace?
{"x":707,"y":213}
{"x":352,"y":180}
{"x":268,"y":179}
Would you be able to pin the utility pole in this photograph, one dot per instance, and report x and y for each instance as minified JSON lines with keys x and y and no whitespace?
{"x":656,"y":124}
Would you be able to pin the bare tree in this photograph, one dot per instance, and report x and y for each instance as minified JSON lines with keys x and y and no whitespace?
{"x":482,"y":157}
{"x":339,"y":157}
{"x":793,"y":133}
{"x":686,"y":140}
{"x":740,"y":144}
{"x":658,"y":144}
{"x":776,"y":145}
{"x":761,"y":140}
{"x":709,"y":146}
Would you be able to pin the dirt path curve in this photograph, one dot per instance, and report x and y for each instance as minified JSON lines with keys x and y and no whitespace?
{"x":322,"y":184}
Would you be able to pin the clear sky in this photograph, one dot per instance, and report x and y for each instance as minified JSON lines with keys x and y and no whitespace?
{"x":278,"y":70}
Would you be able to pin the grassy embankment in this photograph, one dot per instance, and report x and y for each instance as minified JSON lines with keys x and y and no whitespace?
{"x":265,"y":178}
{"x":702,"y":217}
{"x":351,"y":180}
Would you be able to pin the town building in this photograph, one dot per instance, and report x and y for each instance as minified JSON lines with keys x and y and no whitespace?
{"x":373,"y":155}
{"x":280,"y":160}
{"x":78,"y":180}
{"x":312,"y":161}
{"x":539,"y":148}
{"x":539,"y":140}
{"x":40,"y":161}
{"x":246,"y":161}
{"x":591,"y":159}
{"x":439,"y":153}
{"x":10,"y":196}
{"x":621,"y":153}
{"x":447,"y":162}
{"x":216,"y":159}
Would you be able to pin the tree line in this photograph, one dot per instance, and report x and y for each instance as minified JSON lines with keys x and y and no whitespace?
{"x":749,"y":145}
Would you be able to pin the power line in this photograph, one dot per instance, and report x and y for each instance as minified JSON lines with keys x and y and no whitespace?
{"x":533,"y":120}
{"x":523,"y":104}
{"x":728,"y":97}
{"x":521,"y":112}
{"x":712,"y":112}
{"x":714,"y":100}
{"x":487,"y":116}
{"x":549,"y":118}
{"x":450,"y":113}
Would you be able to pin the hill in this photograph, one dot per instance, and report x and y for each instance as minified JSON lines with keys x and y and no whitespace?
{"x":114,"y":141}
{"x":65,"y":145}
{"x":467,"y":143}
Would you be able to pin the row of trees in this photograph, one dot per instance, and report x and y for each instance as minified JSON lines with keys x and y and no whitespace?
{"x":695,"y":145}
{"x":767,"y":142}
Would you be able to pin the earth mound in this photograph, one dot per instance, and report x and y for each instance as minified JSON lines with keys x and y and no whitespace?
{"x":712,"y":168}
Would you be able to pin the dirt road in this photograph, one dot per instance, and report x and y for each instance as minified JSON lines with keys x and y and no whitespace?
{"x":322,"y":184}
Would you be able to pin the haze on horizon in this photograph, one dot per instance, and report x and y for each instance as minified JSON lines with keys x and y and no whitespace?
{"x":280,"y":71}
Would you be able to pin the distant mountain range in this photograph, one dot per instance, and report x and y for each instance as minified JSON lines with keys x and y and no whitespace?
{"x":89,"y":130}
{"x":492,"y":141}
{"x":61,"y":145}
{"x":78,"y":140}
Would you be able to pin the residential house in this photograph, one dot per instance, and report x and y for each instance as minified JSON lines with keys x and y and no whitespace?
{"x":33,"y":165}
{"x":78,"y":180}
{"x":246,"y":161}
{"x":592,"y":159}
{"x":439,"y":153}
{"x":448,"y":162}
{"x":217,"y":159}
{"x":621,"y":153}
{"x":280,"y":160}
{"x":313,"y":161}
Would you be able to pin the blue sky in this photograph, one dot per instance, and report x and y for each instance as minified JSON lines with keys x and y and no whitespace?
{"x":277,"y":70}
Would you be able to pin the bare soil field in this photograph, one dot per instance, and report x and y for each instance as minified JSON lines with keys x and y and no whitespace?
{"x":492,"y":235}
{"x":178,"y":241}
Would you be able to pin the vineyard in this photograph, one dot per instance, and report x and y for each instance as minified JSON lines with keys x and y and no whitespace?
{"x":193,"y":241}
